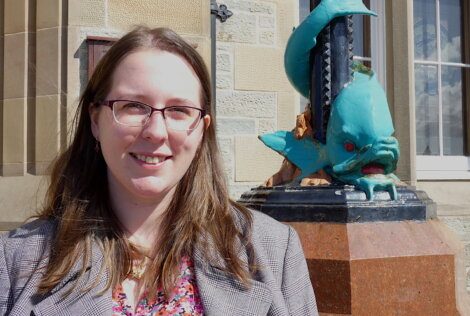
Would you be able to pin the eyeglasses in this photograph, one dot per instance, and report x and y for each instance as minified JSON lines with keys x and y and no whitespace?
{"x":137,"y":114}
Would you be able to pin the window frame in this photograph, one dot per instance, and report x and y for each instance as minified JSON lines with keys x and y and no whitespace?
{"x":446,"y":167}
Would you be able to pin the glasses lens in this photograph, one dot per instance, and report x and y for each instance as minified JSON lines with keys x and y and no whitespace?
{"x":182,"y":118}
{"x":131,"y":113}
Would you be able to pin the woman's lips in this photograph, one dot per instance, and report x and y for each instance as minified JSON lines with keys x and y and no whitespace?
{"x":373,"y":168}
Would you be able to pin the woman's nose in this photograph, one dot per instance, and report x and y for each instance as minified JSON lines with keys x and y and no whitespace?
{"x":155,"y":129}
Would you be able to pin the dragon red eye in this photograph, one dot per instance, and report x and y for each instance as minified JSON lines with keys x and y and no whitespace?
{"x":349,"y":146}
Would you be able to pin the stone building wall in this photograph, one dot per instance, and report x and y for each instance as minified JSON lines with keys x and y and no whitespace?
{"x":253,"y":93}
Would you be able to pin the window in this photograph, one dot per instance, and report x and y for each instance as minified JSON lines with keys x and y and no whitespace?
{"x":97,"y":47}
{"x":369,"y":38}
{"x":442,"y":74}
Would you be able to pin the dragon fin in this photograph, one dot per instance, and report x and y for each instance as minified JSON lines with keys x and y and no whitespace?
{"x":308,"y":155}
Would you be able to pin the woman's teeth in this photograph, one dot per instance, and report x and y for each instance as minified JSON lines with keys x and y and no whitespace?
{"x":148,"y":159}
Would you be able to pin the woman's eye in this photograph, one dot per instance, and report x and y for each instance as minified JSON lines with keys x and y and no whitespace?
{"x":134,"y":106}
{"x":349,"y":147}
{"x":178,"y":110}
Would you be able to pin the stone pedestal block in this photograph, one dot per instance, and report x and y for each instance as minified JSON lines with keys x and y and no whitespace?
{"x":382,"y":268}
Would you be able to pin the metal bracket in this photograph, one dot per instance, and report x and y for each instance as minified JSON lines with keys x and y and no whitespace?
{"x":221,"y":12}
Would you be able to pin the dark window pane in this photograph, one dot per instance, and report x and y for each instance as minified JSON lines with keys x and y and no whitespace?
{"x":451,"y":31}
{"x":452,"y":111}
{"x":427,"y":110}
{"x":424,"y":12}
{"x":358,"y":35}
{"x":304,"y":9}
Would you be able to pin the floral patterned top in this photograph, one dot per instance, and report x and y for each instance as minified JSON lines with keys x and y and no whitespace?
{"x":184,"y":299}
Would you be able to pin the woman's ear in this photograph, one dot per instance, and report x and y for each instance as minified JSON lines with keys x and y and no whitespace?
{"x":207,"y":121}
{"x":94,"y":112}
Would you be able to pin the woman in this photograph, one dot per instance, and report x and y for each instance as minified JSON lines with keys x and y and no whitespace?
{"x":137,"y":216}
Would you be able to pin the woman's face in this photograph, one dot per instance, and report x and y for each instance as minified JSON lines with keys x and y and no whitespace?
{"x":145,"y":163}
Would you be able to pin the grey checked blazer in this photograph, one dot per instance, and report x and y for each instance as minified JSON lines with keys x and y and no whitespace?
{"x":282,"y":287}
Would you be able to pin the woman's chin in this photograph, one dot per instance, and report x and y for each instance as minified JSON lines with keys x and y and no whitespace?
{"x":151,"y":189}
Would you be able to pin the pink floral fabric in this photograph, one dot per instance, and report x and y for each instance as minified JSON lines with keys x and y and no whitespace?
{"x":184,"y":299}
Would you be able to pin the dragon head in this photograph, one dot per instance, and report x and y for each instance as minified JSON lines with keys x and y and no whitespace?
{"x":360,"y":145}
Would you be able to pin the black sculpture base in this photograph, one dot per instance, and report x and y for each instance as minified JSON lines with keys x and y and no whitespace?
{"x":338,"y":203}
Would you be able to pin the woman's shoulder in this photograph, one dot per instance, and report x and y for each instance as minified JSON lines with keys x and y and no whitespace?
{"x":35,"y":229}
{"x":27,"y":239}
{"x":270,"y":234}
{"x":266,"y":225}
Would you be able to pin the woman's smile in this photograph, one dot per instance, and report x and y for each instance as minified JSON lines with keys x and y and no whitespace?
{"x":153,"y":160}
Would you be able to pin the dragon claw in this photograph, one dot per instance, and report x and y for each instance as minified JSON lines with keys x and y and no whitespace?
{"x":392,"y":190}
{"x":369,"y":190}
{"x":371,"y":184}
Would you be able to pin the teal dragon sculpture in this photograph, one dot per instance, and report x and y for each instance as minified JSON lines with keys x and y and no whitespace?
{"x":360,"y":149}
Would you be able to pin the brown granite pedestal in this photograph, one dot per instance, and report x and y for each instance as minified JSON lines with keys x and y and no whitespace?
{"x":372,"y":258}
{"x":382,"y":268}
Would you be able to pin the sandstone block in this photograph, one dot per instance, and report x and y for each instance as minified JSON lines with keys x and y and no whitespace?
{"x":88,"y":12}
{"x":48,"y":61}
{"x":254,"y":162}
{"x":49,"y":14}
{"x":287,"y":105}
{"x":260,"y":69}
{"x":225,"y":146}
{"x":251,"y":6}
{"x":225,"y":47}
{"x":15,"y":65}
{"x":16,"y":16}
{"x":246,"y":104}
{"x":14,"y":131}
{"x":224,"y":81}
{"x":232,"y":126}
{"x":267,"y":22}
{"x":177,"y":14}
{"x":266,"y":126}
{"x":240,"y":28}
{"x":47,"y":128}
{"x":226,"y":151}
{"x":20,"y":198}
{"x":287,"y":18}
{"x":224,"y":62}
{"x":266,"y":37}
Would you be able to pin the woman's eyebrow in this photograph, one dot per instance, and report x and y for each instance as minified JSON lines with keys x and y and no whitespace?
{"x":181,"y":101}
{"x":131,"y":97}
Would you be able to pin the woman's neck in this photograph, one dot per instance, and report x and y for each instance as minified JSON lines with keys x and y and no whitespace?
{"x":141,"y":219}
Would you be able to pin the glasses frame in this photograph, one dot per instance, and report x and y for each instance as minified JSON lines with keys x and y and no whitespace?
{"x":110,"y":104}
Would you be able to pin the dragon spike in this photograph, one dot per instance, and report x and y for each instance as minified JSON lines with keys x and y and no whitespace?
{"x":350,"y":41}
{"x":304,"y":38}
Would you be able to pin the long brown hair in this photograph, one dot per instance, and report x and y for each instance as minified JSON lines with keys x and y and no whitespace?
{"x":200,"y":212}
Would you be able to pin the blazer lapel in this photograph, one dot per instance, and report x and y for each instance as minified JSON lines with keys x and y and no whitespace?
{"x":91,"y":302}
{"x":221,"y":294}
